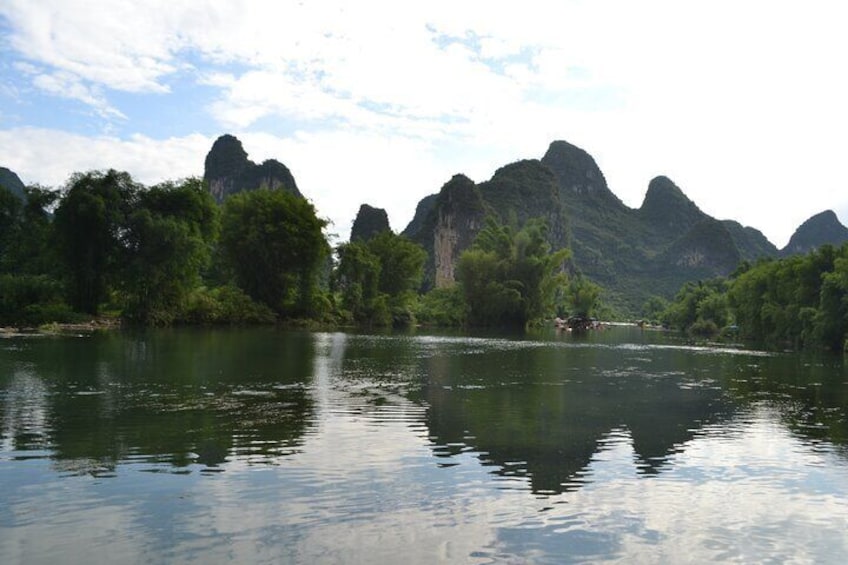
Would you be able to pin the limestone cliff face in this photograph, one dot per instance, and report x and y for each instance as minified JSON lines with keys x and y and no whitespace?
{"x":576,"y":169}
{"x":633,"y":253}
{"x":228,"y":170}
{"x":517,"y":192}
{"x":459,"y":213}
{"x":422,"y":212}
{"x":579,"y":177}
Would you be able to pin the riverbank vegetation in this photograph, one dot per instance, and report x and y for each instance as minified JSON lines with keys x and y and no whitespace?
{"x":796,"y":302}
{"x":169,"y":254}
{"x":106,"y":245}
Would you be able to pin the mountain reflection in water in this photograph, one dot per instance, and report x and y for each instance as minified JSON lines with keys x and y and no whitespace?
{"x":317,"y":446}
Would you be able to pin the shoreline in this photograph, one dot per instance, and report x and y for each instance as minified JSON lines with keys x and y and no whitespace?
{"x":50,"y":328}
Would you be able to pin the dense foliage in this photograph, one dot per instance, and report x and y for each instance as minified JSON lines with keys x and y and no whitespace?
{"x":510,"y":277}
{"x":274,"y":242}
{"x":170,"y":254}
{"x":91,"y":227}
{"x":148,"y":246}
{"x":699,"y":307}
{"x":111,"y":243}
{"x":799,"y":301}
{"x":377,"y":279}
{"x":169,"y":237}
{"x":583,"y":297}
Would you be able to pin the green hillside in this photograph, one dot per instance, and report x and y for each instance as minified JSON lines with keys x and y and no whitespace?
{"x":634,"y":254}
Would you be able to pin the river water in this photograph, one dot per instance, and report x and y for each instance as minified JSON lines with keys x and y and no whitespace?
{"x":269,"y":446}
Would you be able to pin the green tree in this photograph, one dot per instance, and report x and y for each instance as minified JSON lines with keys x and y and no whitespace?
{"x":30,"y":293}
{"x":36,"y":254}
{"x":831,"y":318}
{"x":401,"y":270}
{"x":654,"y":307}
{"x":378,"y":278}
{"x":169,"y":237}
{"x":10,"y":220}
{"x":90,"y":227}
{"x":748,"y":295}
{"x":778,"y":302}
{"x":492,"y":298}
{"x":443,"y":307}
{"x":25,"y":232}
{"x":699,"y":308}
{"x":275,"y":244}
{"x":357,"y":280}
{"x":583,"y":296}
{"x":510,"y":277}
{"x":799,"y":301}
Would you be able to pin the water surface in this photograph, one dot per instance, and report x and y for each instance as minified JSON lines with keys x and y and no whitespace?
{"x":274,"y":446}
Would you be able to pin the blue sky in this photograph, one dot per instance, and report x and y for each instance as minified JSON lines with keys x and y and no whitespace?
{"x":741,"y":104}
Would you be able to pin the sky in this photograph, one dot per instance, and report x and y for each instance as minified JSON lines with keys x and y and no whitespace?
{"x":743,"y":104}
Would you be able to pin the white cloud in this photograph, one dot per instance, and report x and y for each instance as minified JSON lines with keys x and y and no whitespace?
{"x":739,"y":104}
{"x":67,"y":85}
{"x":115,"y":44}
{"x":49,"y":157}
{"x":337,"y":171}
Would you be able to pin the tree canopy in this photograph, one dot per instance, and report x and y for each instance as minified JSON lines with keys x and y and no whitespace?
{"x":510,"y":277}
{"x":170,"y":253}
{"x":169,"y":237}
{"x":275,"y":244}
{"x":90,"y":226}
{"x":378,"y":278}
{"x":799,"y":301}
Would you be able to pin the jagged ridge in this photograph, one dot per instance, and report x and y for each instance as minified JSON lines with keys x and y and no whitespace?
{"x":227,"y":170}
{"x":633,"y":253}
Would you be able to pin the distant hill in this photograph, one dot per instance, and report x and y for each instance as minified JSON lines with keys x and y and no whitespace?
{"x":751,"y":242}
{"x":369,"y":222}
{"x":666,"y":208}
{"x":821,"y":229}
{"x":12,"y":181}
{"x":702,"y":252}
{"x":422,"y":211}
{"x":447,"y":224}
{"x":227,"y":170}
{"x":633,"y":253}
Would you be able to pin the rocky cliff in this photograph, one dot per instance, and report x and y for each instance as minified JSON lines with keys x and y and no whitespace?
{"x":228,"y":170}
{"x":447,"y":224}
{"x":578,"y":175}
{"x":422,"y":212}
{"x":369,"y":222}
{"x":12,"y":181}
{"x":633,"y":253}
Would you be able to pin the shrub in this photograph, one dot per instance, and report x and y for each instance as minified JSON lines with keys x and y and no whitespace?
{"x":32,"y":300}
{"x":225,"y":305}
